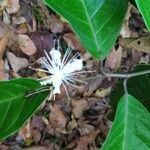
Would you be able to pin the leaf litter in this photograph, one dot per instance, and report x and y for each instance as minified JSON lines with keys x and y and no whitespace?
{"x":27,"y":28}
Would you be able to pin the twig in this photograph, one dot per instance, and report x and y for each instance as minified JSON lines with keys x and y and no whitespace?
{"x":128,"y":75}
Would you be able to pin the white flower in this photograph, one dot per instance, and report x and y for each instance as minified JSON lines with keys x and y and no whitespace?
{"x":61,"y":71}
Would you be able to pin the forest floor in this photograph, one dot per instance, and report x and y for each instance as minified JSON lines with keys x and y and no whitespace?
{"x":81,"y":122}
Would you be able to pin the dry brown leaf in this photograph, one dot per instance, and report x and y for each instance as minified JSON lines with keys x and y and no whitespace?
{"x":138,"y":43}
{"x":17,"y":63}
{"x":2,"y":74}
{"x":3,"y":4}
{"x":43,"y":40}
{"x":84,"y":127}
{"x":102,"y":92}
{"x":25,"y":133}
{"x":113,"y":60}
{"x":26,"y":45}
{"x":56,"y":25}
{"x":73,"y":42}
{"x":78,"y":107}
{"x":57,"y":118}
{"x":125,"y":31}
{"x":71,"y":125}
{"x":13,"y":6}
{"x":36,"y":135}
{"x":83,"y":142}
{"x":3,"y":43}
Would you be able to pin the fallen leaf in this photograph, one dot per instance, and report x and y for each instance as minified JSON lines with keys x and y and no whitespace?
{"x":92,"y":85}
{"x":3,"y":43}
{"x":36,"y":134}
{"x":37,"y":122}
{"x":102,"y":92}
{"x":78,"y":107}
{"x":125,"y":31}
{"x":113,"y":60}
{"x":18,"y":20}
{"x":57,"y":118}
{"x":13,"y":6}
{"x":84,"y":127}
{"x":141,"y":44}
{"x":71,"y":125}
{"x":25,"y":134}
{"x":83,"y":142}
{"x":17,"y":63}
{"x":73,"y":42}
{"x":26,"y":45}
{"x":56,"y":25}
{"x":43,"y":40}
{"x":3,"y":4}
{"x":6,"y":17}
{"x":2,"y":73}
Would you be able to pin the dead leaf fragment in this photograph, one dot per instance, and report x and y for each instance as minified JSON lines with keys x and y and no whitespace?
{"x":16,"y":63}
{"x":56,"y":25}
{"x":138,"y":43}
{"x":78,"y":107}
{"x":26,"y":45}
{"x":83,"y":142}
{"x":43,"y":40}
{"x":102,"y":92}
{"x":13,"y":6}
{"x":57,"y":118}
{"x":113,"y":61}
{"x":73,"y":42}
{"x":2,"y":73}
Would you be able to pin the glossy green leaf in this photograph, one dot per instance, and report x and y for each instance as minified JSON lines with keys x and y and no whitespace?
{"x":131,"y":127}
{"x":138,"y":86}
{"x":15,"y":108}
{"x":144,"y":7}
{"x":96,"y":22}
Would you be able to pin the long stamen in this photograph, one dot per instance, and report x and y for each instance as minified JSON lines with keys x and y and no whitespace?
{"x":66,"y":56}
{"x":81,"y":72}
{"x":70,"y":84}
{"x":41,"y":70}
{"x":66,"y":90}
{"x":77,"y":80}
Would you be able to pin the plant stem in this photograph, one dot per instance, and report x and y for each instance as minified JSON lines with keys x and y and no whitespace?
{"x":128,"y":75}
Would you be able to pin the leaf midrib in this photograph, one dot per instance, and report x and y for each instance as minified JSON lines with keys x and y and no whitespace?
{"x":91,"y":26}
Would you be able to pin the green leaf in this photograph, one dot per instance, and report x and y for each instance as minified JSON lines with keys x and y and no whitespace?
{"x":96,"y":22}
{"x":15,"y":108}
{"x":143,"y":6}
{"x":131,"y":127}
{"x":137,"y":86}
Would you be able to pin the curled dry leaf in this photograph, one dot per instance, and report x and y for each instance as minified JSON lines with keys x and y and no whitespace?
{"x":16,"y":63}
{"x":26,"y":45}
{"x":113,"y":61}
{"x":73,"y":42}
{"x":57,"y":118}
{"x":141,"y":44}
{"x":13,"y":6}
